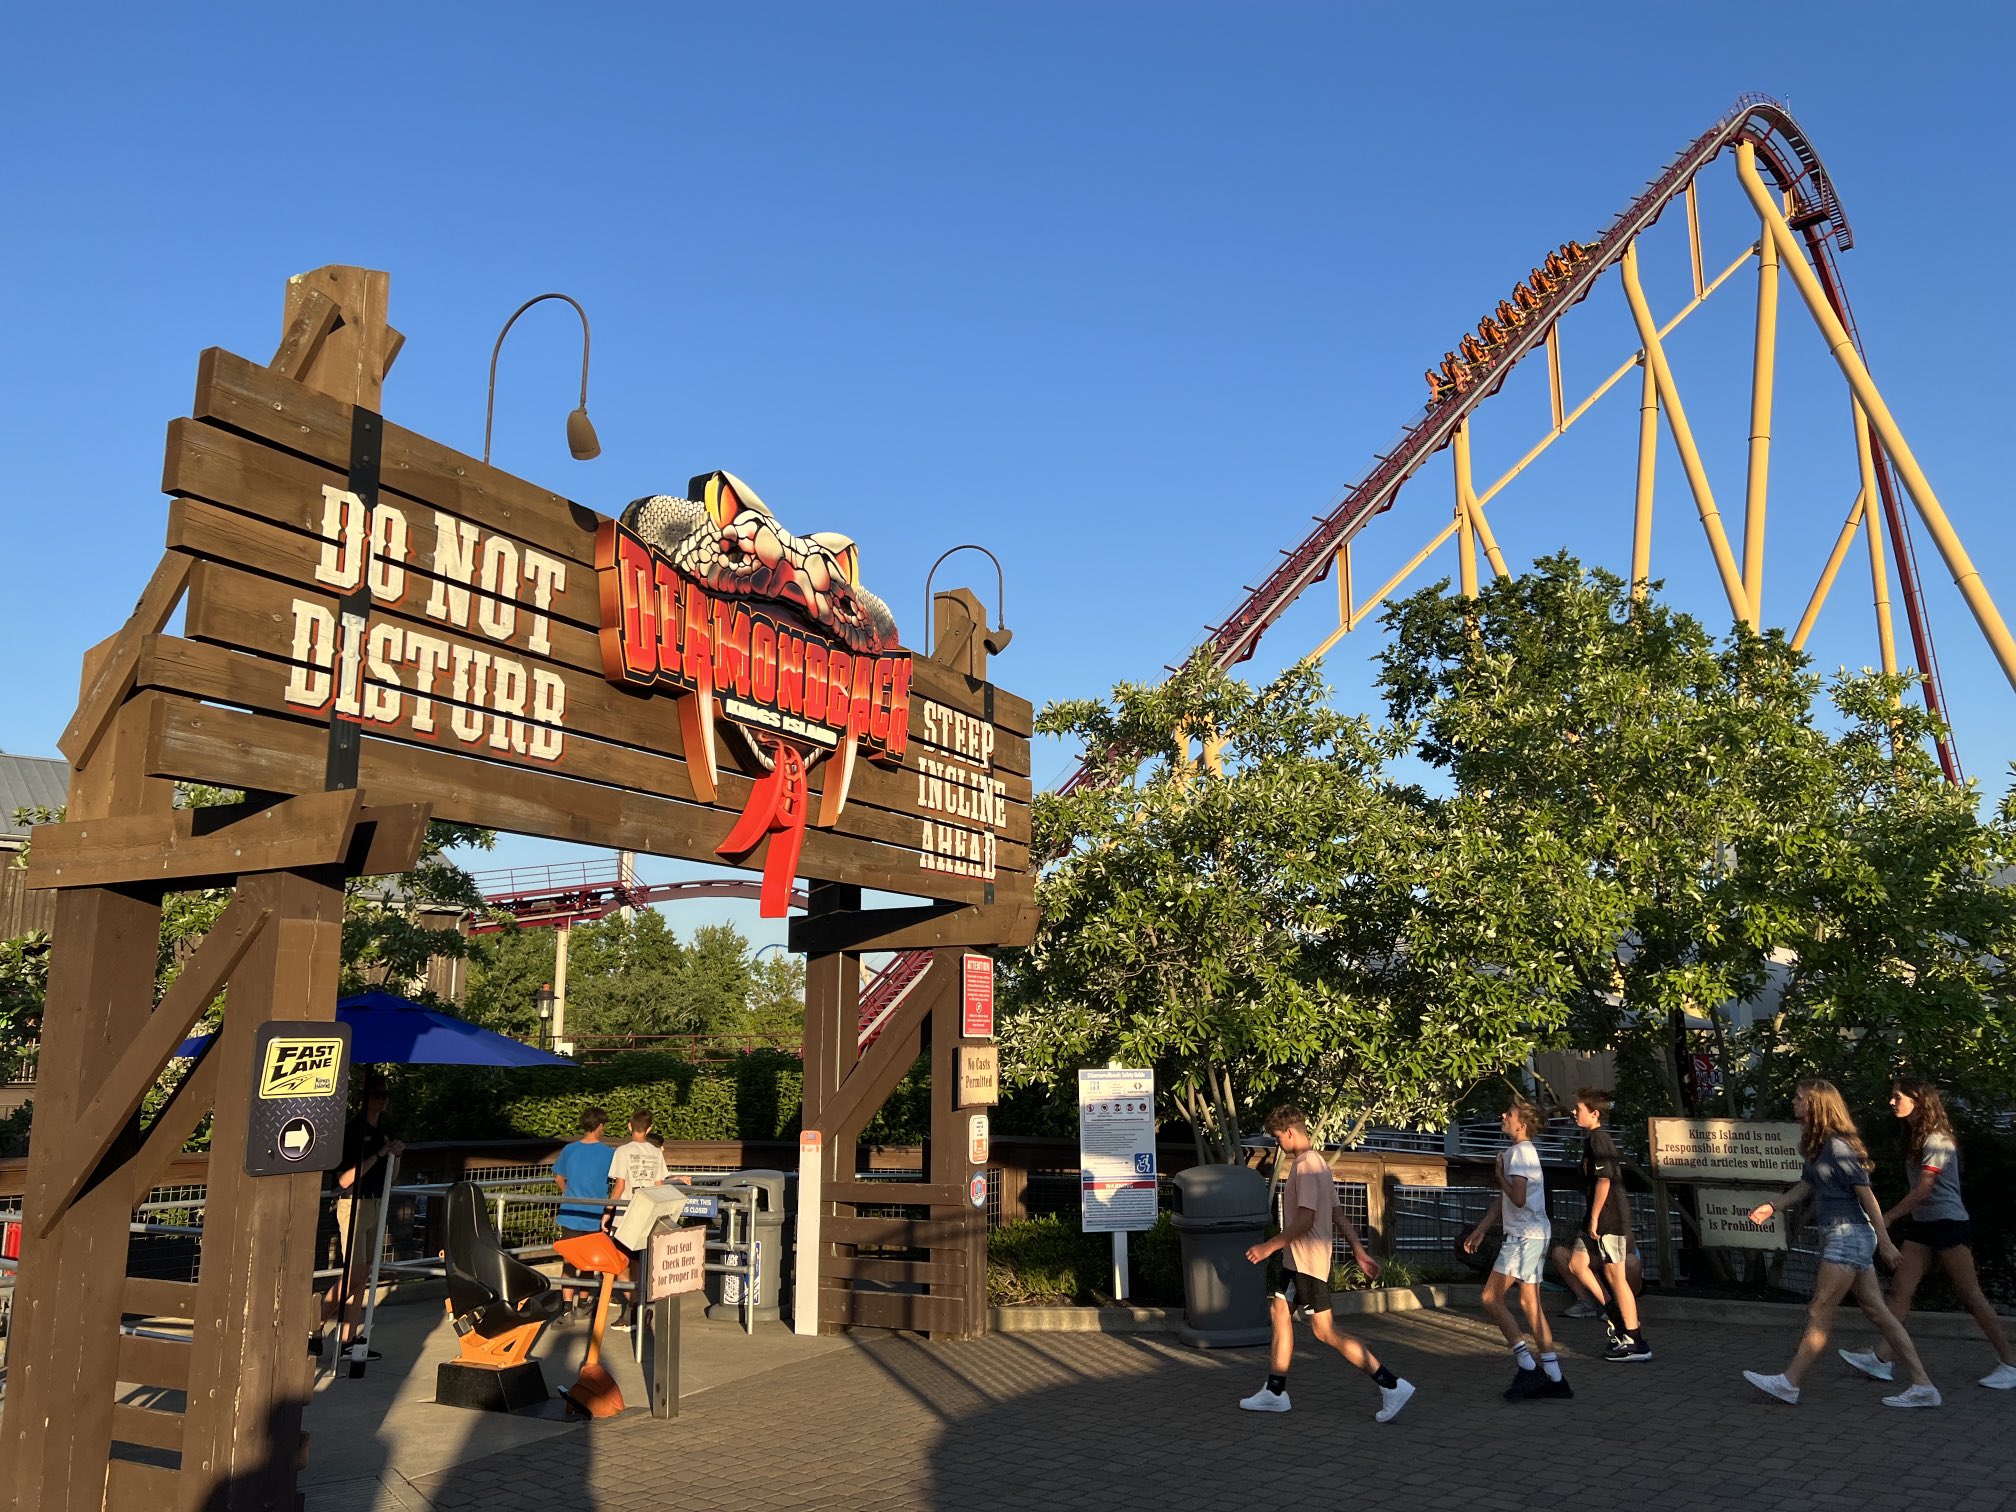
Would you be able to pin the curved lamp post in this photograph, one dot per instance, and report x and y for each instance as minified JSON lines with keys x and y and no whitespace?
{"x":995,"y":640}
{"x":581,"y":438}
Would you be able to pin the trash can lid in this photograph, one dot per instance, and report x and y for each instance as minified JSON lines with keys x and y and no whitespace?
{"x":1221,"y":1191}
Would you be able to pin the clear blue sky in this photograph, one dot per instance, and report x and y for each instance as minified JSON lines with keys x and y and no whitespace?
{"x":1124,"y":291}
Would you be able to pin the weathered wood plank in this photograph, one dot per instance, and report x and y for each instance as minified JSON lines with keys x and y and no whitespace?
{"x":1010,"y":920}
{"x":174,"y":1121}
{"x":188,"y":847}
{"x":130,"y":1483}
{"x":154,"y":1362}
{"x":892,"y":1233}
{"x":863,"y":1309}
{"x":149,"y":1297}
{"x":880,"y":1193}
{"x":107,"y":687}
{"x":204,"y":743}
{"x":148,"y":1426}
{"x":125,"y":1085}
{"x":892,"y":1272}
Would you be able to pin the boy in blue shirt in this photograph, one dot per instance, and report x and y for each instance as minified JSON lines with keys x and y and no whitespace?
{"x":582,"y":1170}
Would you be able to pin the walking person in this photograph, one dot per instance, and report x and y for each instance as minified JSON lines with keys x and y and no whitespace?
{"x":1302,"y":1279}
{"x":1522,"y":1209}
{"x":582,"y":1171}
{"x":360,"y":1198}
{"x":1852,"y":1236}
{"x":1929,"y":1220}
{"x":1606,"y":1231}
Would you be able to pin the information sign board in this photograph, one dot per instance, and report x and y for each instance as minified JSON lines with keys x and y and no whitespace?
{"x":1116,"y":1150}
{"x":678,"y":1261}
{"x":1726,"y":1149}
{"x":1724,"y":1216}
{"x":976,"y":981}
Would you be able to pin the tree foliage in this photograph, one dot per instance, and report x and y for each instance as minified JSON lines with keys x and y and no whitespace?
{"x":1628,"y":828}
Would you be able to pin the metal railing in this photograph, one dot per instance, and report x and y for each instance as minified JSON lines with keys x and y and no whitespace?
{"x":1428,"y":1223}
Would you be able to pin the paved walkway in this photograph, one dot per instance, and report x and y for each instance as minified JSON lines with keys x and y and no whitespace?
{"x":1101,"y":1421}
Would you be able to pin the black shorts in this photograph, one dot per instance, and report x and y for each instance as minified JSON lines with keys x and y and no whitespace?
{"x":1302,"y":1292}
{"x":1935,"y":1233}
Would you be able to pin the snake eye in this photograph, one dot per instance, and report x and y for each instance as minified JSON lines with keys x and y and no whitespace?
{"x":845,"y":554}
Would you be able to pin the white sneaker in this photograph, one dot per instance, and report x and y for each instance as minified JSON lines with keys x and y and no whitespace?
{"x":1775,"y":1385}
{"x":1865,"y":1360}
{"x":1264,"y":1400}
{"x":1914,"y":1396}
{"x":1393,"y":1398}
{"x":2001,"y":1378}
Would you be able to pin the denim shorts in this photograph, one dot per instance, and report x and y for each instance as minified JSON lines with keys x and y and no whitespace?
{"x":1849,"y":1244}
{"x":1521,"y":1257}
{"x":1610,"y":1247}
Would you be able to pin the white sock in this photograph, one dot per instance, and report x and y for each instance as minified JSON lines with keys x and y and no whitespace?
{"x":1551,"y":1363}
{"x":1522,"y":1356}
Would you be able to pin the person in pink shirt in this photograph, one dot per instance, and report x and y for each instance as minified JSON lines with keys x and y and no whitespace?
{"x":1301,"y":1281}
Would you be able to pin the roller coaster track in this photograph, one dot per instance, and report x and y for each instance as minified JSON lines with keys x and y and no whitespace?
{"x":1787,"y":158}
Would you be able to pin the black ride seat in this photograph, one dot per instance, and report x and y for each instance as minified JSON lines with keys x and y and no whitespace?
{"x":489,"y":1289}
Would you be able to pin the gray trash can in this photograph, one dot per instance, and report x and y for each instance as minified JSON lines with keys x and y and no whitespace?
{"x":724,"y":1292}
{"x":1219,"y":1212}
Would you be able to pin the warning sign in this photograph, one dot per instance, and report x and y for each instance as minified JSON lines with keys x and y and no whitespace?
{"x":300,"y":1067}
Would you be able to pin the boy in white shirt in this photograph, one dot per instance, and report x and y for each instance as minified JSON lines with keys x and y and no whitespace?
{"x":638,"y":1163}
{"x":1523,"y":1210}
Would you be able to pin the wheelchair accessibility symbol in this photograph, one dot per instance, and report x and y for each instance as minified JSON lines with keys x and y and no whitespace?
{"x":1144,"y":1164}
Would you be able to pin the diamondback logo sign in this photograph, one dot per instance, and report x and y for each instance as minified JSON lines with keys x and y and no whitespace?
{"x":766,"y":638}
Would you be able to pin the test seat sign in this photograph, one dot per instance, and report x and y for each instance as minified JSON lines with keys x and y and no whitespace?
{"x":1116,"y":1150}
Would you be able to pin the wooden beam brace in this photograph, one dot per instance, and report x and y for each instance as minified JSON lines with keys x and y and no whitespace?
{"x":309,"y":318}
{"x":191,"y":847}
{"x":1010,"y":922}
{"x":120,"y":1094}
{"x":174,"y":1122}
{"x":114,"y":679}
{"x":388,"y":838}
{"x":876,"y":1074}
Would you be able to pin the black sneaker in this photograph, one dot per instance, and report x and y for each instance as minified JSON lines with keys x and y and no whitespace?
{"x":1526,"y":1385}
{"x":1549,"y":1387}
{"x":1630,"y":1350}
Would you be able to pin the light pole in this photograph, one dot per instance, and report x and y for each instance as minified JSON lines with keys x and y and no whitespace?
{"x":995,"y":640}
{"x":544,"y":998}
{"x":581,"y":439}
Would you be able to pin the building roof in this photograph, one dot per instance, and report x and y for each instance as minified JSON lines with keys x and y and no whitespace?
{"x":29,"y":782}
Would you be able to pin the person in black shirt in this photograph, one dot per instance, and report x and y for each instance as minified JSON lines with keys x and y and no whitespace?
{"x":1600,"y":1248}
{"x":360,"y":1197}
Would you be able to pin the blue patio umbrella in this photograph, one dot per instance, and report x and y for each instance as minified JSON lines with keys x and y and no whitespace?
{"x":386,"y":1029}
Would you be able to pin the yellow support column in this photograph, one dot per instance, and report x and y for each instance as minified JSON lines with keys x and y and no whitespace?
{"x":1648,"y":457}
{"x":1694,"y":238}
{"x":1966,"y":576}
{"x":1466,"y":538}
{"x":1683,"y":441}
{"x":1879,"y":574}
{"x":1760,"y":424}
{"x":1834,"y":560}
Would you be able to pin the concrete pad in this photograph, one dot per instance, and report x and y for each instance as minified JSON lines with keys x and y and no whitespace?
{"x":370,"y":1438}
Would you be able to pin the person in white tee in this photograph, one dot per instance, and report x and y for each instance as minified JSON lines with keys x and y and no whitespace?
{"x":638,"y":1163}
{"x":1522,"y":1208}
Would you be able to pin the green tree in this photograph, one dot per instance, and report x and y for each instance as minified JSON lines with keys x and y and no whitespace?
{"x":775,"y":1015}
{"x":1275,"y":920}
{"x":1684,"y":819}
{"x":507,"y":967}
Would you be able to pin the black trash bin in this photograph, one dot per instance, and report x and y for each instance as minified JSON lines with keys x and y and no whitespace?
{"x":1219,"y":1212}
{"x":772,"y":1257}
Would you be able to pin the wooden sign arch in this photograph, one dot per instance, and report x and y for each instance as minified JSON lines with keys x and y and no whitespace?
{"x":380,"y":630}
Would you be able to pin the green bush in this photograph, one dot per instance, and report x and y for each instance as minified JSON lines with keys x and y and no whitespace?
{"x":1050,"y":1262}
{"x":14,"y":1130}
{"x":754,"y":1096}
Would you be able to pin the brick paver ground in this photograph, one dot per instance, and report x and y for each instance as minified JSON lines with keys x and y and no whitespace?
{"x":1142,"y":1424}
